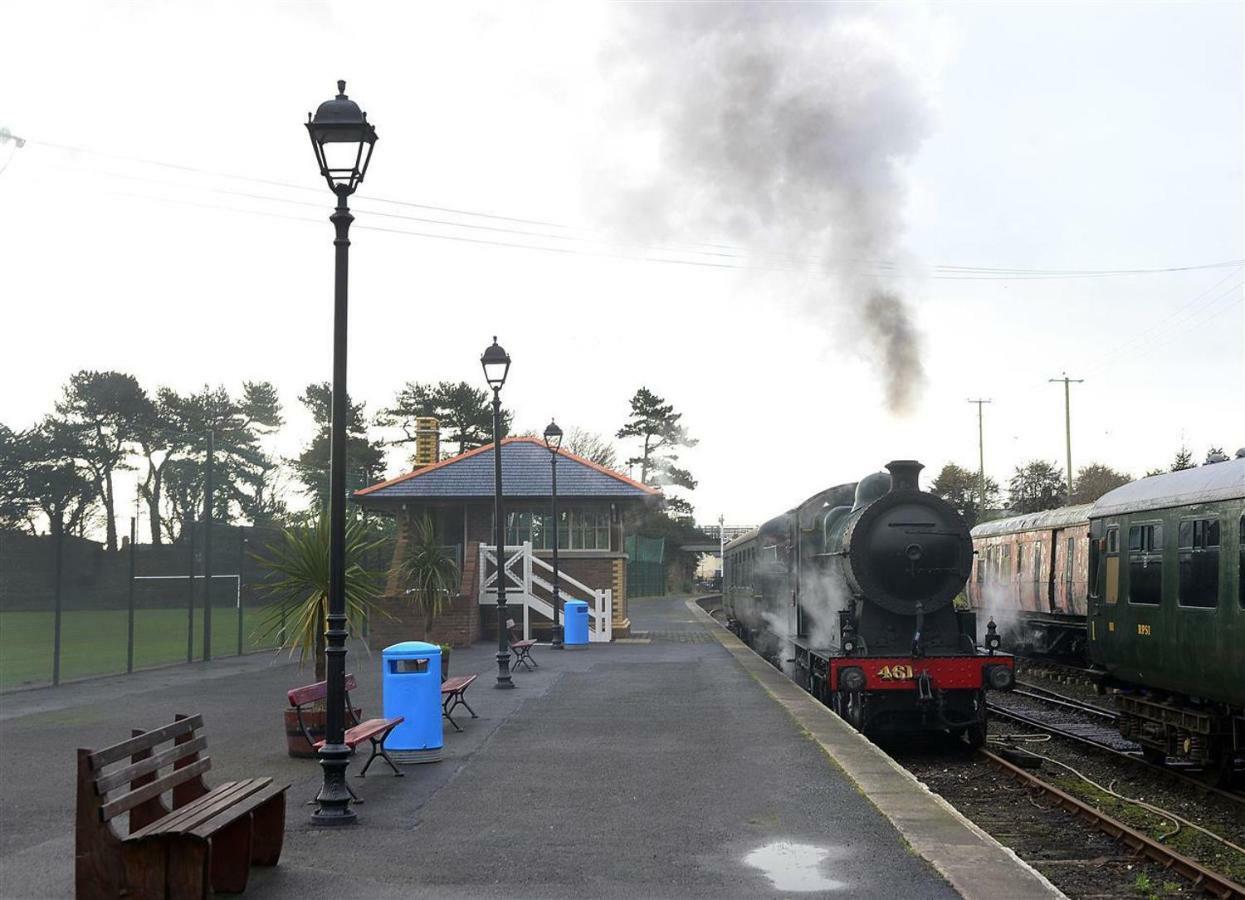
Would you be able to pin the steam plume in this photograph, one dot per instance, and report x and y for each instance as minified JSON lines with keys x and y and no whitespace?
{"x":783,"y":127}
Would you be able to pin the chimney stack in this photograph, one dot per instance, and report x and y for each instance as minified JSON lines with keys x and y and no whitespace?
{"x":905,"y":474}
{"x":427,"y":441}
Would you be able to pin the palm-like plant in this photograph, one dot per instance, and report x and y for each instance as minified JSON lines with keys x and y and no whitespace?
{"x":300,"y":560}
{"x":428,"y":572}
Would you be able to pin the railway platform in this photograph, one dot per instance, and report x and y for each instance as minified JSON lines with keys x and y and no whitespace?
{"x":674,"y":763}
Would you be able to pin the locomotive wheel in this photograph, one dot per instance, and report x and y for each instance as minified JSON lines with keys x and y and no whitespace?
{"x":1225,"y":771}
{"x":976,"y":735}
{"x":850,"y":705}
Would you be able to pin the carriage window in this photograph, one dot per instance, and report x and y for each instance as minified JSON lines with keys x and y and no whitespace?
{"x":1067,"y":561}
{"x":1145,"y":564}
{"x":982,"y":562}
{"x":1198,"y":559}
{"x":1113,"y":539}
{"x":1240,"y":564}
{"x":1020,"y":560}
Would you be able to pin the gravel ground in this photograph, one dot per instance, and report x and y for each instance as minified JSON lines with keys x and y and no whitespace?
{"x":1077,"y":858}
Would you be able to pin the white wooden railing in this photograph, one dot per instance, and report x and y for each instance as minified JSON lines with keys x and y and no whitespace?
{"x":521,"y":576}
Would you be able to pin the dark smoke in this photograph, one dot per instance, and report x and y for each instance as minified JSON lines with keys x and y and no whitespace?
{"x":889,"y":325}
{"x":783,"y":127}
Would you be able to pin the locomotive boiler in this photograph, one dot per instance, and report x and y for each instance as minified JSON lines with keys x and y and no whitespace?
{"x":853,"y":594}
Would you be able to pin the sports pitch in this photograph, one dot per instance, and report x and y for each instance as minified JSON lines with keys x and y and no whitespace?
{"x":93,"y":642}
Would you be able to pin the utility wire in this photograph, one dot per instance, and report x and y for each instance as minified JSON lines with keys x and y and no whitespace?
{"x":944,"y":272}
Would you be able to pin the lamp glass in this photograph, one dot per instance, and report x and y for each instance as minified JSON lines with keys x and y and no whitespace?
{"x":553,"y":436}
{"x":496,"y":363}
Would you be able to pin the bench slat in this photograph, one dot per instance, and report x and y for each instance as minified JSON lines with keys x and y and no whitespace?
{"x":310,"y":693}
{"x":184,"y":812}
{"x":144,"y":741}
{"x":115,"y":779}
{"x":457,"y":683}
{"x":156,"y":788}
{"x":209,"y":806}
{"x":365,"y":730}
{"x":243,"y":807}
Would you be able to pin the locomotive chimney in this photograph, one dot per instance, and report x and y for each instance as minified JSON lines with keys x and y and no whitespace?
{"x":905,"y":474}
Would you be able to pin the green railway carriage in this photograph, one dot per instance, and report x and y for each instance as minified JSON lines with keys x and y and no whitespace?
{"x":1167,"y":609}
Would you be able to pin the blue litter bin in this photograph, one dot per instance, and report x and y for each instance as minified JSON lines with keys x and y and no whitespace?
{"x":575,"y":635}
{"x":411,"y":684}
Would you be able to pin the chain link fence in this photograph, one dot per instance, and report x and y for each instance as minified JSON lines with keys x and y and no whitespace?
{"x":70,"y":610}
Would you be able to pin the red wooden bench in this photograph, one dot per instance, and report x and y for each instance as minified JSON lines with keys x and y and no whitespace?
{"x":521,"y":649}
{"x":206,"y":841}
{"x":453,"y":695}
{"x":374,"y":730}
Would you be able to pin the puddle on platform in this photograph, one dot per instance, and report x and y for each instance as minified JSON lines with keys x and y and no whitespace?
{"x":793,"y":867}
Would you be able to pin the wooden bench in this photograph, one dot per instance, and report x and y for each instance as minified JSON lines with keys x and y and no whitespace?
{"x":453,"y":695}
{"x":374,"y":730}
{"x":522,"y":649}
{"x":208,"y":838}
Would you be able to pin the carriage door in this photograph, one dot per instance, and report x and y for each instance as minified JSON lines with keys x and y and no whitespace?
{"x":1104,"y":588}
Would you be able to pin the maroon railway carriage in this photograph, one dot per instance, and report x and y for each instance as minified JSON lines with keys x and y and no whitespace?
{"x":1030,"y":576}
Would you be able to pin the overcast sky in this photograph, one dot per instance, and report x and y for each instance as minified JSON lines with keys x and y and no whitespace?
{"x":672,"y":254}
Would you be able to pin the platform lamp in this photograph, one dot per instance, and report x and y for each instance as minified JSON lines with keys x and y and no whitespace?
{"x":496,"y":363}
{"x":553,"y":440}
{"x":343,"y":140}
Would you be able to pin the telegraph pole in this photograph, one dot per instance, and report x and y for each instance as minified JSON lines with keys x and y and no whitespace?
{"x":981,"y":462}
{"x":1067,"y":420}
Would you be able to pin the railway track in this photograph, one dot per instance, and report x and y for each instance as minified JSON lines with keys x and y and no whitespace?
{"x":1092,"y":726}
{"x":1206,"y":879}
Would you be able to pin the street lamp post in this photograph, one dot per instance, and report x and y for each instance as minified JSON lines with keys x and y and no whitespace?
{"x":496,"y":363}
{"x":343,"y":140}
{"x":553,"y":440}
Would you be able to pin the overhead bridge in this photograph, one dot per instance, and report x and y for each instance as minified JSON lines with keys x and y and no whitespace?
{"x":712,"y":538}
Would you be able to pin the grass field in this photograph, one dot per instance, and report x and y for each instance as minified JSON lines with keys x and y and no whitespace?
{"x":93,"y":642}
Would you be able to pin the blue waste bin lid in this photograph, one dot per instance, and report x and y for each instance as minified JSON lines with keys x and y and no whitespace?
{"x":576,"y":603}
{"x":412,"y":648}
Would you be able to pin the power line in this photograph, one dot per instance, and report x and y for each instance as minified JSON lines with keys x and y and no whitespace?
{"x":943,"y":271}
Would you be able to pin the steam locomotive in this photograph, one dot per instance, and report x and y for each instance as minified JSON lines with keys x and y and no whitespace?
{"x":852,"y":593}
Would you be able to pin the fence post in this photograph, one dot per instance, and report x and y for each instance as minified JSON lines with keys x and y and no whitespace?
{"x":207,"y":547}
{"x":129,"y":625}
{"x":189,"y":531}
{"x":241,"y":563}
{"x":56,"y":619}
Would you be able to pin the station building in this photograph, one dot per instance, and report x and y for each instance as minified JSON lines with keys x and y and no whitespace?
{"x":456,"y":494}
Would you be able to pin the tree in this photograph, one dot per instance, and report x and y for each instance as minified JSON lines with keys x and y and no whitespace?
{"x":960,"y":487}
{"x":242,"y":470}
{"x":1094,"y":480}
{"x":592,"y":447}
{"x":365,"y":459}
{"x":102,"y":411}
{"x":657,"y":425}
{"x":1037,"y":485}
{"x":56,"y":482}
{"x":14,"y":502}
{"x":428,"y":572}
{"x":299,"y":564}
{"x":1215,"y":454}
{"x":1183,"y":460}
{"x":464,"y":413}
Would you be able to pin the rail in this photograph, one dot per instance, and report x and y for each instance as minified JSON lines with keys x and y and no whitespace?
{"x":1206,"y":879}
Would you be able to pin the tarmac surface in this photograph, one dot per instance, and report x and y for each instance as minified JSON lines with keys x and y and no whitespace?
{"x":656,"y":767}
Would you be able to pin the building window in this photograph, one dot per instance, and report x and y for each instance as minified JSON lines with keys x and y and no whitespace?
{"x":590,"y":529}
{"x":1145,"y":564}
{"x":1198,"y":555}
